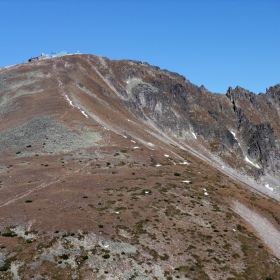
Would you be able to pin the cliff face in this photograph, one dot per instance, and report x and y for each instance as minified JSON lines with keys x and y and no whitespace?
{"x":239,"y":122}
{"x":258,"y":125}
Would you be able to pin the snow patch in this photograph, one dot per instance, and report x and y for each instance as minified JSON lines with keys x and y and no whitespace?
{"x":249,"y":161}
{"x":71,"y":104}
{"x":268,"y":187}
{"x":186,"y":181}
{"x":69,"y":101}
{"x":133,"y":141}
{"x":83,"y":112}
{"x":157,"y":165}
{"x":136,"y":147}
{"x":166,"y":155}
{"x":151,"y":144}
{"x":194,"y":136}
{"x":234,"y":135}
{"x":184,"y":162}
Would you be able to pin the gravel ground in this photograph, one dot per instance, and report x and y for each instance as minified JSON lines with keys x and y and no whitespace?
{"x":266,"y":230}
{"x":49,"y":133}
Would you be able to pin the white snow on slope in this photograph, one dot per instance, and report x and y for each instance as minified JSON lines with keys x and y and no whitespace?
{"x":194,"y":135}
{"x":69,"y":101}
{"x":184,"y":162}
{"x":268,"y":187}
{"x":71,"y":104}
{"x":249,"y":161}
{"x":246,"y":158}
{"x":234,"y":135}
{"x":83,"y":112}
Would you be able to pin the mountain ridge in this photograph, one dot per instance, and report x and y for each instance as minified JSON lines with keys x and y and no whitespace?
{"x":120,"y":169}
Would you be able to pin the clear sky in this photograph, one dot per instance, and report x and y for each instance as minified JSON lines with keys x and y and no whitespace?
{"x":215,"y":43}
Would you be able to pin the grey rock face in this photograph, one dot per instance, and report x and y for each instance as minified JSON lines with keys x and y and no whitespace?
{"x":258,"y":123}
{"x":2,"y":260}
{"x":178,"y":107}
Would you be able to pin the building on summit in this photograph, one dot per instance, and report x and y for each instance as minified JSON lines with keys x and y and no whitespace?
{"x":43,"y":56}
{"x":57,"y":54}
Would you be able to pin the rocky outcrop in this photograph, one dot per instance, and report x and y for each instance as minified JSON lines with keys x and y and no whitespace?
{"x":178,"y":107}
{"x":258,"y":124}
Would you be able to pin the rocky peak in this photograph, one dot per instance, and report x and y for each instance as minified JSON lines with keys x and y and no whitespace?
{"x":238,"y":94}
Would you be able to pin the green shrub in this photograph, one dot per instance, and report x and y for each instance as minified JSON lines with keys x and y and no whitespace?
{"x":9,"y":234}
{"x":64,"y":256}
{"x":165,"y":257}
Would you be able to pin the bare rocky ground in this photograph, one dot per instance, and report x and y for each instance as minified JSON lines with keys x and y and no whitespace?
{"x":89,"y":191}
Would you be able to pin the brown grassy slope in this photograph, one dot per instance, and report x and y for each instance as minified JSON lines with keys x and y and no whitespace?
{"x":81,"y":201}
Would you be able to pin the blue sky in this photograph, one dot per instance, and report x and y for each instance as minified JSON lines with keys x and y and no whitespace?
{"x":215,"y":43}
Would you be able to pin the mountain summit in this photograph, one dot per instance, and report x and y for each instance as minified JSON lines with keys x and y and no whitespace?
{"x":122,"y":170}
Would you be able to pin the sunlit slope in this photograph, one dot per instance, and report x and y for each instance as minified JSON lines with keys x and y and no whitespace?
{"x":121,"y":170}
